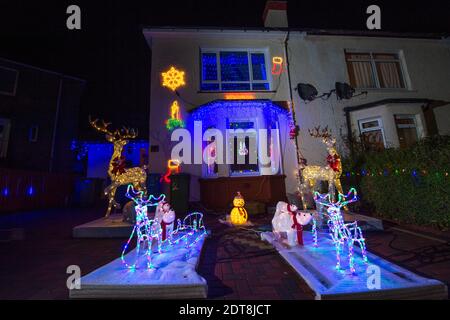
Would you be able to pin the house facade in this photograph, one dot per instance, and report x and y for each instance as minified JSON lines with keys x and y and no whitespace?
{"x":38,"y":117}
{"x":241,"y":78}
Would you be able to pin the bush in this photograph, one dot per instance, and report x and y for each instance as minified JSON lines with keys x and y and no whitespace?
{"x":408,"y":185}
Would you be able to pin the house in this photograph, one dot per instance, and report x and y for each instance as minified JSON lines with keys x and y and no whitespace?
{"x":249,"y":78}
{"x":38,"y":121}
{"x":38,"y":117}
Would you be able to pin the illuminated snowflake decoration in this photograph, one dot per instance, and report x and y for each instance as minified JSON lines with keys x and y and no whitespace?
{"x":173,"y":79}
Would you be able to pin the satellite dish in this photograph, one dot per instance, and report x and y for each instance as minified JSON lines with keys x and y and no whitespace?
{"x":344,"y":90}
{"x":306,"y":91}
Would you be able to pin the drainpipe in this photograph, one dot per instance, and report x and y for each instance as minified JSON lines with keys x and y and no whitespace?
{"x":349,"y":131}
{"x":292,"y":107}
{"x":55,"y":125}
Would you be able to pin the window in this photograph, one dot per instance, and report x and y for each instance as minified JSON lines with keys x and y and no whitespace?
{"x":406,"y":130}
{"x":233,"y":71}
{"x":242,"y":148}
{"x":8,"y":81}
{"x":372,"y":134}
{"x":375,"y":70}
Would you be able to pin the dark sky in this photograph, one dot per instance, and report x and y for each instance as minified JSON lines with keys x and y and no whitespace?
{"x":111,"y":54}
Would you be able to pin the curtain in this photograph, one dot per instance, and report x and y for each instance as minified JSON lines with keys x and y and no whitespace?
{"x":363,"y":74}
{"x":388,"y":74}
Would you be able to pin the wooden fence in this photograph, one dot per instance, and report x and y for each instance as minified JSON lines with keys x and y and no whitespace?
{"x":28,"y":190}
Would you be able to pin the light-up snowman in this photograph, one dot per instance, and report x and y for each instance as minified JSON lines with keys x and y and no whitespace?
{"x":238,"y":215}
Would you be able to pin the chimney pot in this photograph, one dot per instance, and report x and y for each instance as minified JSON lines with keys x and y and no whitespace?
{"x":275,"y":14}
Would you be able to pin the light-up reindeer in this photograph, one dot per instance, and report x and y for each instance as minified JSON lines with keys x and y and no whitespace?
{"x":330,"y":173}
{"x":117,"y":172}
{"x":342,"y":233}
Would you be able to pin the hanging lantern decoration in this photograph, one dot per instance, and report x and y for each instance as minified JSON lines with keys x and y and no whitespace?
{"x":238,"y":215}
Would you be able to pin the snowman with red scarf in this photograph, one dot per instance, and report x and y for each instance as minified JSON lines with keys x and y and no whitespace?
{"x":166,"y":217}
{"x":288,"y":219}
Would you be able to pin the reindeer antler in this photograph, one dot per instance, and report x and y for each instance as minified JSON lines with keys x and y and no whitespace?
{"x":127,"y":133}
{"x":103,"y":127}
{"x":317,"y":133}
{"x":123,"y":134}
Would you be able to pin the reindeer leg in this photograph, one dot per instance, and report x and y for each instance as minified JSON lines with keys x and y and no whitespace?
{"x":110,"y":191}
{"x":338,"y":254}
{"x":350,"y":256}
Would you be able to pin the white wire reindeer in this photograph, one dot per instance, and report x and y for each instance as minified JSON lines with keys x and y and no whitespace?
{"x":145,"y":229}
{"x":190,"y":230}
{"x":342,"y":233}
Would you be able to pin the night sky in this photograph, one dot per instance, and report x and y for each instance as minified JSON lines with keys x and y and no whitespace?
{"x":111,"y":54}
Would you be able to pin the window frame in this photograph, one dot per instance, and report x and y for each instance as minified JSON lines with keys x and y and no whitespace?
{"x":373,"y":64}
{"x":251,"y":81}
{"x":379,"y":127}
{"x":13,"y":94}
{"x":406,"y":126}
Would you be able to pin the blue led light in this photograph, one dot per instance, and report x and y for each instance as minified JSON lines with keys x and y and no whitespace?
{"x":214,"y":112}
{"x":258,"y":66}
{"x":30,"y":191}
{"x":5,"y":192}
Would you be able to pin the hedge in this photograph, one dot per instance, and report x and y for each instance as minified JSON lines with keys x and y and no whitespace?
{"x":410,"y":185}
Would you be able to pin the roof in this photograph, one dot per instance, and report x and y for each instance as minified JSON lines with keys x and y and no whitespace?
{"x":59,"y":74}
{"x":309,"y":31}
{"x":395,"y":100}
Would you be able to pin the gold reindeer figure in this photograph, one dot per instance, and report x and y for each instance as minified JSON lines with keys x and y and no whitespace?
{"x":330,"y":173}
{"x":117,"y":172}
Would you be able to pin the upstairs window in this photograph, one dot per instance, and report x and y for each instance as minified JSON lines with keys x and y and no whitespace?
{"x":233,"y":71}
{"x":368,"y":70}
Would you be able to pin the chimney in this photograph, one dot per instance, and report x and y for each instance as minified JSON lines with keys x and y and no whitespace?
{"x":275,"y":14}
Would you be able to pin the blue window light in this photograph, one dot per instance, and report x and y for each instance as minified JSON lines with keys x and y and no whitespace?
{"x":233,"y":71}
{"x":258,"y":66}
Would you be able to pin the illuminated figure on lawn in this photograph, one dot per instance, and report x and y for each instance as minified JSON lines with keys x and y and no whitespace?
{"x":117,"y":172}
{"x":290,"y":220}
{"x":160,"y":229}
{"x":238,"y":215}
{"x":330,"y":173}
{"x":342,"y":233}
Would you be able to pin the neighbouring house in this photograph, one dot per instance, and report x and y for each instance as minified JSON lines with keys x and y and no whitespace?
{"x":246,"y":78}
{"x":38,"y":117}
{"x":38,"y":122}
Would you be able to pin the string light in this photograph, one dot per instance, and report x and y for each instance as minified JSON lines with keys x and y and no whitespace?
{"x":393,"y":172}
{"x":342,"y":233}
{"x":277,"y":65}
{"x":330,"y":173}
{"x":173,"y":167}
{"x":190,"y":230}
{"x":173,"y":78}
{"x":119,"y":175}
{"x":175,"y":120}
